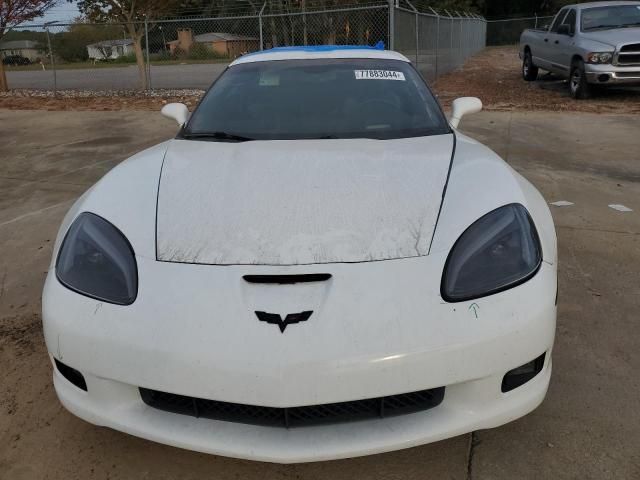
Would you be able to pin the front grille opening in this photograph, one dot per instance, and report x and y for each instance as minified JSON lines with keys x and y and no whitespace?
{"x":329,"y":413}
{"x":71,"y":374}
{"x":629,"y":59}
{"x":631,"y":47}
{"x":521,"y":375}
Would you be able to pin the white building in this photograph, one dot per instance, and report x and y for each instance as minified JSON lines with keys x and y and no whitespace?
{"x":23,"y":48}
{"x":110,"y":49}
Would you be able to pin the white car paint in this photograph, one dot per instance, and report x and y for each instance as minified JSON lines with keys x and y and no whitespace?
{"x":310,"y":54}
{"x":378,"y":328}
{"x":292,"y":202}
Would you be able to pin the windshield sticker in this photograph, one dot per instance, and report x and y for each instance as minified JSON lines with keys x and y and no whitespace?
{"x":379,"y":75}
{"x":269,"y":79}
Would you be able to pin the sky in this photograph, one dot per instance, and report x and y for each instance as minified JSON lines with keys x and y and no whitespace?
{"x":64,"y":12}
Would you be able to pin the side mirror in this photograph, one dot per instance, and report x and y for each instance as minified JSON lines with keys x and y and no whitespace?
{"x":564,"y":29}
{"x":176,"y":111}
{"x":464,"y":106}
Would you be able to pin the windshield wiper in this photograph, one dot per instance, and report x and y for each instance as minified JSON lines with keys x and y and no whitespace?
{"x":222,"y":136}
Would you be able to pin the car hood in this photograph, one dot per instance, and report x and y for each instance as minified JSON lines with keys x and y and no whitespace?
{"x":300,"y":202}
{"x":614,"y":37}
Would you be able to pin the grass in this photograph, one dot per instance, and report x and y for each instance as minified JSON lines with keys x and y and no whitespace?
{"x":88,"y":65}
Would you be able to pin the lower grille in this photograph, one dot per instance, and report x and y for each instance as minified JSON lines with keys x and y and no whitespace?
{"x":629,"y":58}
{"x":295,"y":416}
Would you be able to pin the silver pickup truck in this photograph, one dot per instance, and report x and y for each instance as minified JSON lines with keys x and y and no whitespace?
{"x":589,"y":44}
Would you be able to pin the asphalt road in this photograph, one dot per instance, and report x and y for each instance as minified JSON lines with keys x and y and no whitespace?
{"x":175,"y":76}
{"x":587,"y":428}
{"x":118,"y":78}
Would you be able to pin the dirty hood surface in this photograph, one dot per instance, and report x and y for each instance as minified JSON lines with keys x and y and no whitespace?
{"x":300,"y":202}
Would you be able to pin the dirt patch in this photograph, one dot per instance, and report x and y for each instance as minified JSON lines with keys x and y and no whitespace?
{"x":494,"y":76}
{"x":22,"y":332}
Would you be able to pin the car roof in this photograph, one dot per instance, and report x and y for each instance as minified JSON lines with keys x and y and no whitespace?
{"x":582,"y":6}
{"x":319,"y":52}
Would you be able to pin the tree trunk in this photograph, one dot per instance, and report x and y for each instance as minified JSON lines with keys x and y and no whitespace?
{"x":3,"y":79}
{"x":136,"y":36}
{"x":142,"y":68}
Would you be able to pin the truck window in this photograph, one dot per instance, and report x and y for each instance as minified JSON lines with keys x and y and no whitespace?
{"x":558,"y":20}
{"x":570,"y":20}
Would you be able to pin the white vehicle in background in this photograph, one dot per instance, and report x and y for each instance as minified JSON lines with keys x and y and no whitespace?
{"x":589,"y":44}
{"x":318,"y":266}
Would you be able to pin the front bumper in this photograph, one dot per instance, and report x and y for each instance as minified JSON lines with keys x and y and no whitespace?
{"x":467,"y":407}
{"x":375,"y":331}
{"x":612,"y":74}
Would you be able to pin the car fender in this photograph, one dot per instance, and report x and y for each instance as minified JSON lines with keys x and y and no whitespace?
{"x":126,"y":197}
{"x":479,"y":182}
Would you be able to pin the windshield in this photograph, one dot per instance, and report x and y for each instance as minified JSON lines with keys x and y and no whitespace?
{"x":321,"y":98}
{"x":621,"y":16}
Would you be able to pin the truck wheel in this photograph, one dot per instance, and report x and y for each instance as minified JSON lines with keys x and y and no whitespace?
{"x":578,"y":86}
{"x":529,"y":70}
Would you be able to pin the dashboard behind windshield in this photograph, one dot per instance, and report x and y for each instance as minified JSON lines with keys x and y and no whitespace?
{"x":317,"y":99}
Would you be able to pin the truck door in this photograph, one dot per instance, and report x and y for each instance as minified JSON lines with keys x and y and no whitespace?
{"x":545,"y":54}
{"x":561,"y":43}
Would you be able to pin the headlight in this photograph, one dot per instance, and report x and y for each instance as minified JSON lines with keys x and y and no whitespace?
{"x":96,"y":260}
{"x":600,"y":57}
{"x":498,"y":251}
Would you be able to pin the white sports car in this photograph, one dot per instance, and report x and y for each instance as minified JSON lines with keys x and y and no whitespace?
{"x":318,"y":266}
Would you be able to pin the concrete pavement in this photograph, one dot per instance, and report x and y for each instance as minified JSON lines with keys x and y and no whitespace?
{"x":587,"y":428}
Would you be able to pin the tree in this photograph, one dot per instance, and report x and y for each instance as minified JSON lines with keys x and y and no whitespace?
{"x":71,"y":44}
{"x":132,"y":14}
{"x":15,"y":12}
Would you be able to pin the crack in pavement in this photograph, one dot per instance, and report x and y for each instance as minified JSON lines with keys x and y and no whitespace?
{"x":27,"y":181}
{"x":473,"y":442}
{"x":35,"y":212}
{"x":601,"y":230}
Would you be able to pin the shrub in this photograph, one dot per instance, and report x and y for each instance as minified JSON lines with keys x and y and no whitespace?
{"x":201,"y":51}
{"x":128,"y":58}
{"x":161,"y":55}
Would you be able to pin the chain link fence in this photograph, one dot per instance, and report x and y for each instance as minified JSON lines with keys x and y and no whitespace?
{"x":437,"y":43}
{"x":508,"y":31}
{"x":189,"y":53}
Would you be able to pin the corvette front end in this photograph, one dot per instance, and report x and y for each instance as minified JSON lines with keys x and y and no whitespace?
{"x":293,"y":300}
{"x":364,"y":340}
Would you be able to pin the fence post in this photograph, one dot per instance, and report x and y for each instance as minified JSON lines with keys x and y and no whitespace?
{"x":460,"y":52}
{"x":52,"y":60}
{"x":417,"y":31}
{"x":260,"y":25}
{"x":146,"y":45}
{"x":437,"y":37}
{"x":450,"y":39}
{"x":536,"y":24}
{"x":392,"y":23}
